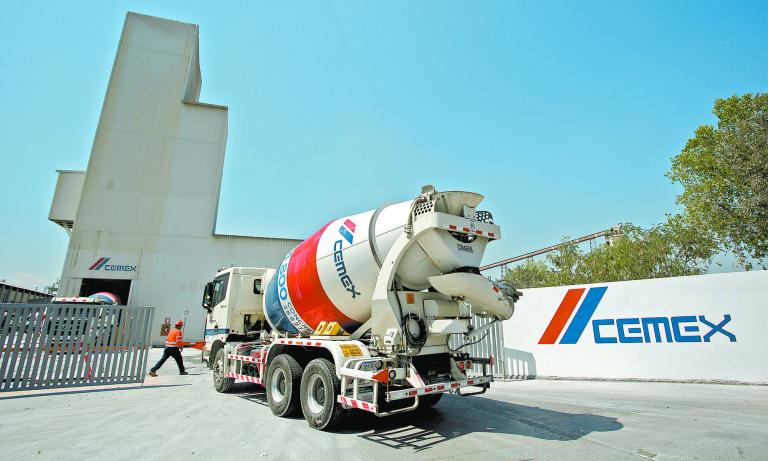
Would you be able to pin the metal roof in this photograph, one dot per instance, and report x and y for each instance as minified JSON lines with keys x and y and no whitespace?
{"x":27,"y":290}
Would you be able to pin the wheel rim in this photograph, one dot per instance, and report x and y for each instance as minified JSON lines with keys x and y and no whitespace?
{"x":316,"y":394}
{"x":277,"y":385}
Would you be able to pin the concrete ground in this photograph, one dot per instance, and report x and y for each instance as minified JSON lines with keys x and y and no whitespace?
{"x":182,"y":417}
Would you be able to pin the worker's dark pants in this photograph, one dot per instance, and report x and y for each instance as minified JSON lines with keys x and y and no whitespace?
{"x":170,"y":352}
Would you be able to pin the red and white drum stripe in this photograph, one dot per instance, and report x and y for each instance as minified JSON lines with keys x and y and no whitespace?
{"x":359,"y":404}
{"x":306,"y":292}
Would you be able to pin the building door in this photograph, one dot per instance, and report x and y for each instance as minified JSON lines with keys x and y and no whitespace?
{"x":120,"y":288}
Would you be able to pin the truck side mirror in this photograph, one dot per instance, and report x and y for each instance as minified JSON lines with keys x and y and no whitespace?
{"x":208,"y":296}
{"x":257,"y":286}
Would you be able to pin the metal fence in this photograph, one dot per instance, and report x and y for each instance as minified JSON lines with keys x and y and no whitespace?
{"x":68,"y":345}
{"x":492,"y":344}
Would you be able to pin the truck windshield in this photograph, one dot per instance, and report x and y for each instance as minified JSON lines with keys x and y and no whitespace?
{"x":220,"y":288}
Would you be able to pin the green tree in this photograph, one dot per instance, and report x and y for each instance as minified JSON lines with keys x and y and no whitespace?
{"x":671,"y":249}
{"x":724,"y":173}
{"x":531,"y":274}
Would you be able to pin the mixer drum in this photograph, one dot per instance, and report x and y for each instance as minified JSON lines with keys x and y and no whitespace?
{"x":331,"y":275}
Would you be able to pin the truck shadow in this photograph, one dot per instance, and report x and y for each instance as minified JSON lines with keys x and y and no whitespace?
{"x":455,"y":416}
{"x":251,"y":392}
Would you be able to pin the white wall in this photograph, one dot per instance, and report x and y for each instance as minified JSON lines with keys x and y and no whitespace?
{"x":742,"y":295}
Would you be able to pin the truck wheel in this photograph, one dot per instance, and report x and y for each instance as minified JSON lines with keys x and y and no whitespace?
{"x":426,"y":401}
{"x":319,"y":388}
{"x":283,"y":381}
{"x":220,"y":381}
{"x":212,"y":356}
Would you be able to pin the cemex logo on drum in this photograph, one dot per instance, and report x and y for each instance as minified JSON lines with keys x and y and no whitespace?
{"x":677,"y":329}
{"x":347,"y":230}
{"x":101,"y":263}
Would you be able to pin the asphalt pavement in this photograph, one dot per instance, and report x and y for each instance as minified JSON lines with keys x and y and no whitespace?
{"x":183,"y":417}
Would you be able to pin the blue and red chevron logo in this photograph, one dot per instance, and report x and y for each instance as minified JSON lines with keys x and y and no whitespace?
{"x":580,"y":320}
{"x":347,"y":230}
{"x":98,"y":264}
{"x":656,"y":329}
{"x":101,"y":263}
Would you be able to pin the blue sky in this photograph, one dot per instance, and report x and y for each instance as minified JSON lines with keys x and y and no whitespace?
{"x":564,"y":115}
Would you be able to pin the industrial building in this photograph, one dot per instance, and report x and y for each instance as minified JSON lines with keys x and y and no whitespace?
{"x":142,"y":216}
{"x":16,"y":294}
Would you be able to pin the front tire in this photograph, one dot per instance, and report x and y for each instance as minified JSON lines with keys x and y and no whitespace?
{"x":220,"y":380}
{"x":283,"y":381}
{"x":319,"y":389}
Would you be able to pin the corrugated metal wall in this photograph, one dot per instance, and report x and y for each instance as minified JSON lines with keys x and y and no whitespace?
{"x":129,"y":168}
{"x":150,"y":196}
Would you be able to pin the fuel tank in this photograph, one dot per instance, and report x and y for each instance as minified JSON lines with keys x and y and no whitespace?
{"x":331,"y":275}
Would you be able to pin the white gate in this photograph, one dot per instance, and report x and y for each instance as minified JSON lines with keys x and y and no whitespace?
{"x":491,"y":344}
{"x":67,"y":345}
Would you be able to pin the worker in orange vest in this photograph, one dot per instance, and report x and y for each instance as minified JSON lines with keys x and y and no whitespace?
{"x":173,"y":347}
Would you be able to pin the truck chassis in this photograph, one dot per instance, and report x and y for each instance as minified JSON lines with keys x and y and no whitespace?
{"x":368,"y":383}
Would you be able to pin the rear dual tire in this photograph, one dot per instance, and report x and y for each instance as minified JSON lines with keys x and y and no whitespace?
{"x":283,"y":382}
{"x":320,"y":388}
{"x":313,"y":390}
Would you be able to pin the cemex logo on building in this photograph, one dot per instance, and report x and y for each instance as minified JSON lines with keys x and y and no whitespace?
{"x":102,"y":263}
{"x":677,"y":329}
{"x":347,"y":230}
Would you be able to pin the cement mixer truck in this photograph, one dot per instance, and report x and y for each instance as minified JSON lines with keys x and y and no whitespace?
{"x":359,"y":315}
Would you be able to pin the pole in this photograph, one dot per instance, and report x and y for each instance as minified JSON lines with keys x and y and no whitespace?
{"x":616,"y":230}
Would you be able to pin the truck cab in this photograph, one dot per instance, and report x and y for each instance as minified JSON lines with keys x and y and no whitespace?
{"x":233,"y":305}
